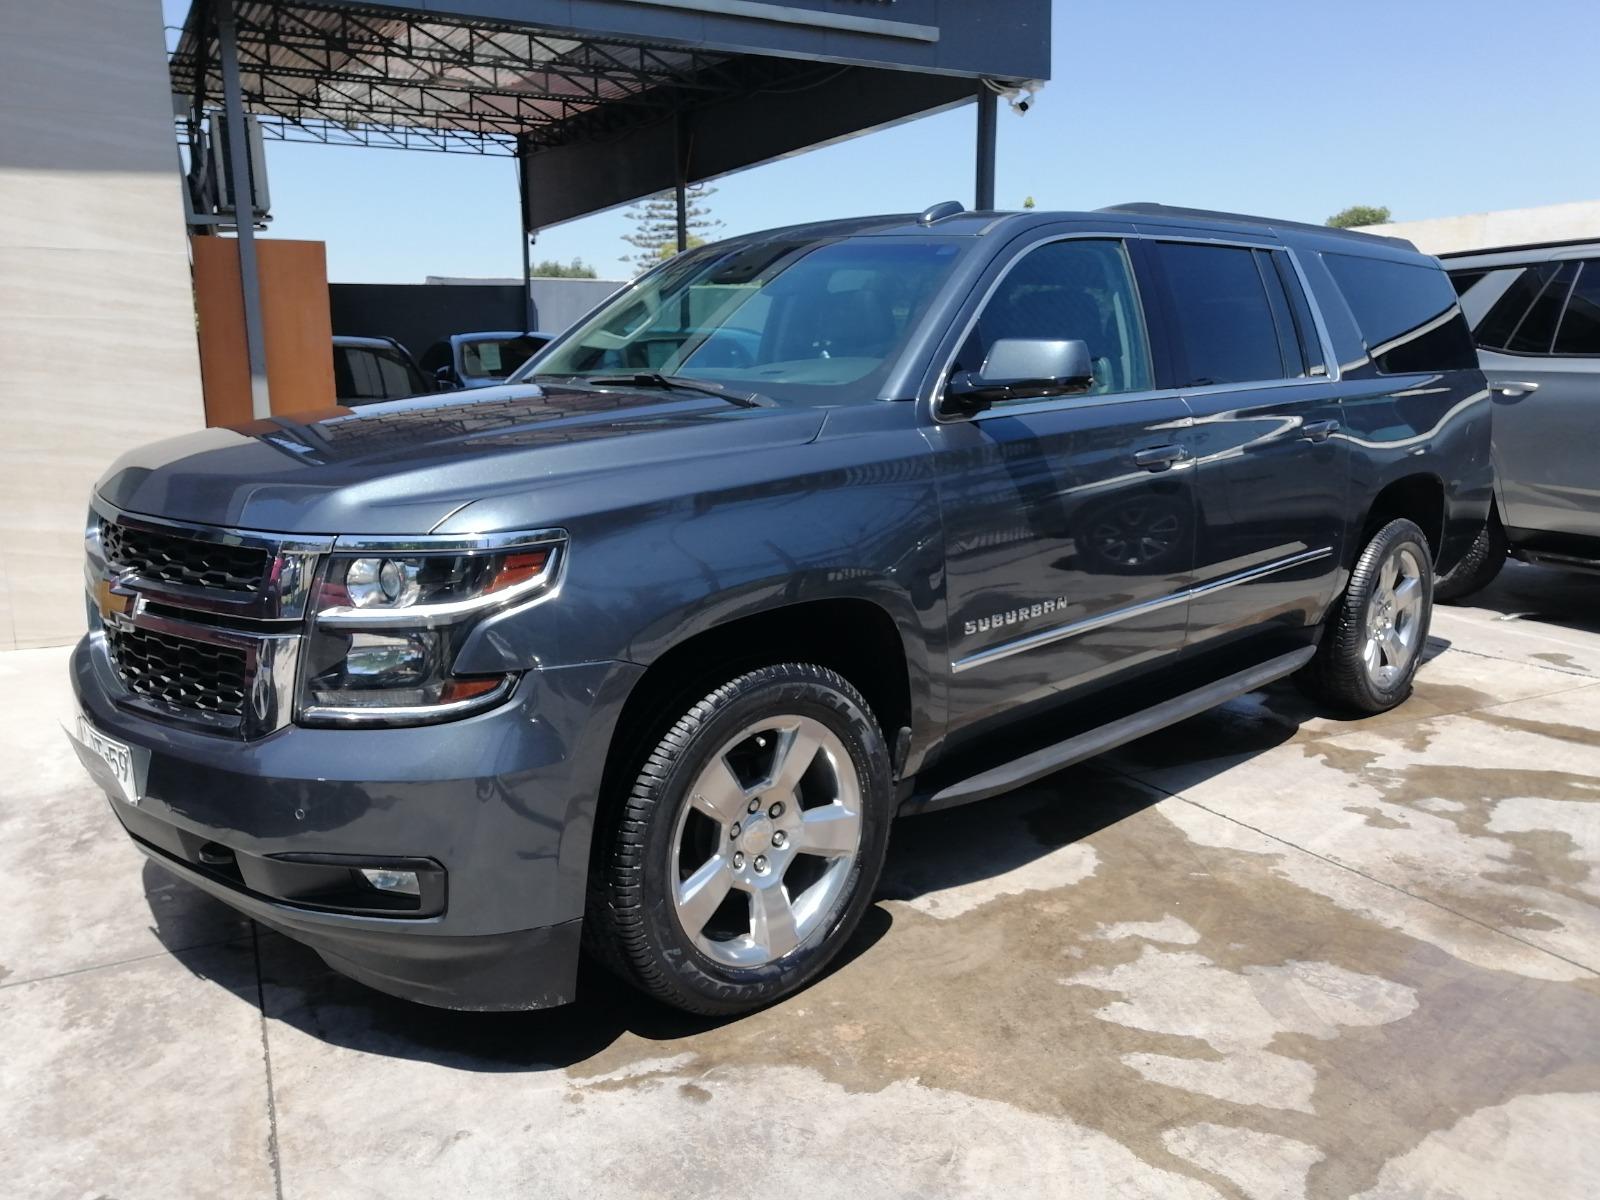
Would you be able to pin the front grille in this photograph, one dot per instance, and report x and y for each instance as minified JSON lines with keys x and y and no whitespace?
{"x":176,"y":671}
{"x":190,"y":562}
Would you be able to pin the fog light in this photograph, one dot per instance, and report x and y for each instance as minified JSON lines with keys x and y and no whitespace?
{"x":399,"y":883}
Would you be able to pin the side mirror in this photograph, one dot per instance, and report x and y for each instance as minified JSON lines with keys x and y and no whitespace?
{"x":445,"y":376}
{"x":1022,"y":369}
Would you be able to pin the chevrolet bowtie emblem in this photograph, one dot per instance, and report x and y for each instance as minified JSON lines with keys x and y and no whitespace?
{"x":112,"y":603}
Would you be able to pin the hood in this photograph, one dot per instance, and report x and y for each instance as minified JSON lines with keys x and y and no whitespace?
{"x":406,"y":465}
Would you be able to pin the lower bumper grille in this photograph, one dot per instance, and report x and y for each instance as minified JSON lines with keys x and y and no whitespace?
{"x":182,"y":673}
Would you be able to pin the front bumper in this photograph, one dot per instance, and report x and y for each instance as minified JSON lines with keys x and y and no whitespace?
{"x":502,"y":802}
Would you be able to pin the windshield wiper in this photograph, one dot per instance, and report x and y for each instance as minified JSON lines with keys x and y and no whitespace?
{"x":678,"y":383}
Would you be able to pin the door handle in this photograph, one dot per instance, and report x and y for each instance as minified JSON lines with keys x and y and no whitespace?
{"x":1512,"y":388}
{"x":1319,"y":431}
{"x":1159,"y":458}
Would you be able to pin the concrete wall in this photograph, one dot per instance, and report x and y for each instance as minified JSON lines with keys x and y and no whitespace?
{"x":97,"y":346}
{"x":1512,"y":227}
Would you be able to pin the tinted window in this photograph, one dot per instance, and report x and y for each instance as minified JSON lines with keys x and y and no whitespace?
{"x":1580,"y":327}
{"x":1407,"y":313}
{"x":1289,"y":349}
{"x":400,"y":378}
{"x":1501,"y":321}
{"x":1536,"y":332}
{"x":497,"y":358}
{"x":1305,"y":326}
{"x":1225,"y":326}
{"x":1080,"y":290}
{"x":1463,"y":281}
{"x":356,"y":374}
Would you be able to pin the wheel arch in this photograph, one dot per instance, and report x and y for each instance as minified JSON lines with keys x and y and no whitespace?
{"x":1419,"y":497}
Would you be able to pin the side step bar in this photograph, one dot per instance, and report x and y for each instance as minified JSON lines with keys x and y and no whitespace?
{"x":1105,"y":737}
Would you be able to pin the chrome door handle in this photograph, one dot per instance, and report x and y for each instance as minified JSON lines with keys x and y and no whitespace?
{"x":1319,"y":431}
{"x":1512,"y":388}
{"x":1159,"y":458}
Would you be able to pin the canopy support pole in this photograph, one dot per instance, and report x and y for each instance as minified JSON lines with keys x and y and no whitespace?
{"x":244,"y":209}
{"x":988,"y":112}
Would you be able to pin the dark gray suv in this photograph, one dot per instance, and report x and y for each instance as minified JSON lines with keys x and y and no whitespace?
{"x":802,"y":531}
{"x":1535,"y":313}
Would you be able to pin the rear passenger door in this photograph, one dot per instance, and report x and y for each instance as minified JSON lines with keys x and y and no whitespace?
{"x":1272,"y":474}
{"x":1539,"y":345}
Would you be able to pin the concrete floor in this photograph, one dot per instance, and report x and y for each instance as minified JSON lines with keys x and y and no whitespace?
{"x":1264,"y":954}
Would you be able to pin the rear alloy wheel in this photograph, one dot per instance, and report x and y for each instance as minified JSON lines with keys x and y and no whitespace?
{"x":750,"y":843}
{"x":1394,"y":619}
{"x":1373,"y":642}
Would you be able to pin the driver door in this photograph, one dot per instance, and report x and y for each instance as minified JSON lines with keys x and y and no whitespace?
{"x":1069,"y":522}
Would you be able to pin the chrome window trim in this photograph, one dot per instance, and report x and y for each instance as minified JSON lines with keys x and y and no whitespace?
{"x":1330,"y":360}
{"x":1046,"y":637}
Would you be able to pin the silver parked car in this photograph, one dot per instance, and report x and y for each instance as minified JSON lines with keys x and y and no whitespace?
{"x":1535,"y":314}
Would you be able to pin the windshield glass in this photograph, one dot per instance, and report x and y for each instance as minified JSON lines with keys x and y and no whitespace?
{"x":795,"y":319}
{"x":497,"y":358}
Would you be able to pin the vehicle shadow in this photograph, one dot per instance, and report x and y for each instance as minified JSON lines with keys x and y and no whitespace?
{"x":1545,"y":594}
{"x":931,"y":854}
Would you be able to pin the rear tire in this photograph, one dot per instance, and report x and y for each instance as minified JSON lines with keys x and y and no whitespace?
{"x":749,"y":844}
{"x":1375,"y":633}
{"x":1478,"y":567}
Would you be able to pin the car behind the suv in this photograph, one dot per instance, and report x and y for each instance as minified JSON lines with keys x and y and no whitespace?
{"x":801,"y":531}
{"x":367,"y":369}
{"x":1535,"y":313}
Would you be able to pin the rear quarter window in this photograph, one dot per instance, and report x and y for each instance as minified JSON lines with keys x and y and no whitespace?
{"x":1407,"y":313}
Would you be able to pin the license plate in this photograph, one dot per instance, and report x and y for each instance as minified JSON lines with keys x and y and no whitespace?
{"x":120,"y":760}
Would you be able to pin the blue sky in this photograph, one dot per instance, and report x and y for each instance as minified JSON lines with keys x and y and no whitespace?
{"x":1433,"y":107}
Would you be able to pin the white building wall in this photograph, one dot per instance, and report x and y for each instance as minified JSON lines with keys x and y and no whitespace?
{"x":1512,"y":227}
{"x":97,"y":342}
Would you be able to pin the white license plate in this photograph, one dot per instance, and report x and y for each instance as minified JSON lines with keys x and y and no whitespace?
{"x":118,"y":758}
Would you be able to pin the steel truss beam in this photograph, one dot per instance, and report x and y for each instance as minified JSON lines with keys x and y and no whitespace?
{"x":365,"y":77}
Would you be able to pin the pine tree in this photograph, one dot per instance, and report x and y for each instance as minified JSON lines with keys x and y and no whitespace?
{"x":655,"y":225}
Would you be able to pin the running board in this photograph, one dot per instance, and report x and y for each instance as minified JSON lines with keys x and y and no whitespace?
{"x":1106,"y":737}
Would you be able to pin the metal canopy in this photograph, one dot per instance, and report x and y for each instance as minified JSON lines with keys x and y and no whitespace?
{"x":437,"y":77}
{"x":431,"y":82}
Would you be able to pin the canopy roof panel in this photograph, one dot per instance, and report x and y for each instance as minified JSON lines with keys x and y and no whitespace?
{"x":606,"y":100}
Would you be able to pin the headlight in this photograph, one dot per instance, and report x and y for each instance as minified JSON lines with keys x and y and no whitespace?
{"x":390,"y":615}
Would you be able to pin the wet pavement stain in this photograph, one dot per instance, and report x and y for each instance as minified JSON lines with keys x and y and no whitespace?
{"x":1324,"y":1017}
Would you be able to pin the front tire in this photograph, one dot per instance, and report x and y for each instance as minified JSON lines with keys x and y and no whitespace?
{"x":749,"y":845}
{"x":1372,"y":646}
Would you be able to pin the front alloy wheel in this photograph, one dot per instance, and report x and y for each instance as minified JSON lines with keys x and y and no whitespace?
{"x":768,"y":840}
{"x":748,"y":846}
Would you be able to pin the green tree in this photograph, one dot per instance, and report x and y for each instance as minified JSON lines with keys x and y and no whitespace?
{"x":1028,"y":203}
{"x":551,"y":269}
{"x":655,"y":225}
{"x":1360,"y":214}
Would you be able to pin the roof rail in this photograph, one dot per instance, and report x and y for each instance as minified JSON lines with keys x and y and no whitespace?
{"x":938,"y":212}
{"x":1149,"y":209}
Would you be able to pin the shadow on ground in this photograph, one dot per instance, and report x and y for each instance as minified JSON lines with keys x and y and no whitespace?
{"x":1543,"y":594}
{"x":930,"y":853}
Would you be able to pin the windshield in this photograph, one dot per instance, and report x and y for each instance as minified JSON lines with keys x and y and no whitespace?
{"x":796,"y":319}
{"x":496,"y":358}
